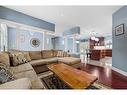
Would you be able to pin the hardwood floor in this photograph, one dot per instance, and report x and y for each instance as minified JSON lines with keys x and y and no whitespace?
{"x":106,"y":76}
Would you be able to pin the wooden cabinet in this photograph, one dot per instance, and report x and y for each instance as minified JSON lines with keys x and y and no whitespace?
{"x":109,"y":52}
{"x":98,"y":54}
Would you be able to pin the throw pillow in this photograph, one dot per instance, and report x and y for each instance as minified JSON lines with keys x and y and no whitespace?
{"x":60,"y":54}
{"x":5,"y":66}
{"x":18,"y":58}
{"x":5,"y":75}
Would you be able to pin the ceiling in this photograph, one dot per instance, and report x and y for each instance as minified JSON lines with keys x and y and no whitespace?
{"x":95,"y":20}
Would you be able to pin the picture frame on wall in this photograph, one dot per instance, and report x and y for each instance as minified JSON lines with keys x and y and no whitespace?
{"x":119,"y":30}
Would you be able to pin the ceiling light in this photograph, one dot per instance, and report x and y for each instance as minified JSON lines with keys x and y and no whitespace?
{"x":92,"y":38}
{"x":96,"y":39}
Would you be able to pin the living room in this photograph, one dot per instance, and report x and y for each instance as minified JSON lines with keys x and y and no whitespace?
{"x":43,"y":48}
{"x":78,"y":41}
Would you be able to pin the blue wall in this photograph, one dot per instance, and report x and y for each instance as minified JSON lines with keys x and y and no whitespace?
{"x":11,"y":38}
{"x":11,"y":15}
{"x":70,"y":44}
{"x":25,"y":45}
{"x":48,"y":42}
{"x":120,"y":42}
{"x":58,"y":43}
{"x":74,"y":30}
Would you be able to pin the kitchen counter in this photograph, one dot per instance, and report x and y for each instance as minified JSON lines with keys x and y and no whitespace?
{"x":98,"y":54}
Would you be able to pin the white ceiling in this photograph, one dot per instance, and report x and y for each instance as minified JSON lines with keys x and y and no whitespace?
{"x":89,"y":18}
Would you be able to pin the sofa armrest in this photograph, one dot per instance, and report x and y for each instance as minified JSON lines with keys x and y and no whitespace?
{"x":23,"y":83}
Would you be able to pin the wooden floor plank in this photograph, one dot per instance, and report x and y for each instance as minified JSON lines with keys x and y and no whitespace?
{"x":106,"y":76}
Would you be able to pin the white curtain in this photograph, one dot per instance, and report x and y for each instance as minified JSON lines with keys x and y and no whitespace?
{"x":3,"y":37}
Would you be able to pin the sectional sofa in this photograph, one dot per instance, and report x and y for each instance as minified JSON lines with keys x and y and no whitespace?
{"x":25,"y":65}
{"x":40,"y":59}
{"x":24,"y":75}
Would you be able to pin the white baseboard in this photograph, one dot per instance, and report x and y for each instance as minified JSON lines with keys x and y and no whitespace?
{"x":119,"y":71}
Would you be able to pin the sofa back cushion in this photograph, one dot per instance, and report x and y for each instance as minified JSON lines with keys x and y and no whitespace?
{"x":47,"y":54}
{"x":34,"y":55}
{"x":27,"y":56}
{"x":55,"y":52}
{"x":4,"y":58}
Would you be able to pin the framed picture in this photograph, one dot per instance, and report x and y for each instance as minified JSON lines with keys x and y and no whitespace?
{"x":119,"y":29}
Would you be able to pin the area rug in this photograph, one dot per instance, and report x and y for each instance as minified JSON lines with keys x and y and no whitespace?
{"x":51,"y":82}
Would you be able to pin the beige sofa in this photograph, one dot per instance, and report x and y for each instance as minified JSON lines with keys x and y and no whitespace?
{"x":25,"y":76}
{"x":38,"y":60}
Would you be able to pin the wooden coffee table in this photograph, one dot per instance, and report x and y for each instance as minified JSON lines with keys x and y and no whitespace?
{"x":74,"y":78}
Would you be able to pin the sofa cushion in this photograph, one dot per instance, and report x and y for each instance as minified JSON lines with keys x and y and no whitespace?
{"x":31,"y":75}
{"x":69,"y":60}
{"x":34,"y":55}
{"x":47,"y":54}
{"x":37,"y":84}
{"x":24,"y":53}
{"x":5,"y":75}
{"x":4,"y":58}
{"x":54,"y":53}
{"x":27,"y":56}
{"x":17,"y":58}
{"x":38,"y":62}
{"x":52,"y":60}
{"x":23,"y":83}
{"x":21,"y":68}
{"x":43,"y":61}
